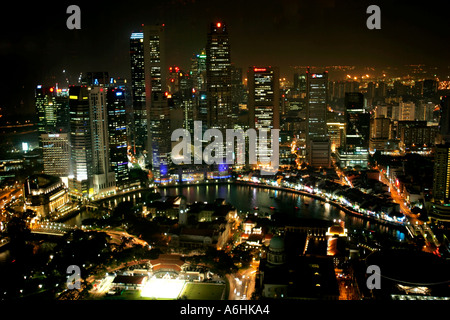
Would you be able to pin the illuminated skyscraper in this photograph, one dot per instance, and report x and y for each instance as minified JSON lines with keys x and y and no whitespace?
{"x":151,"y":110}
{"x":317,"y":142}
{"x":117,"y":130}
{"x":80,"y":181}
{"x":198,"y":70}
{"x":300,"y":84}
{"x":104,"y":178}
{"x":317,"y":92}
{"x":52,"y":107}
{"x":218,"y":77}
{"x":56,"y":154}
{"x":444,"y":122}
{"x":355,"y":151}
{"x":441,"y":181}
{"x":91,"y":170}
{"x":198,"y":76}
{"x":264,"y":100}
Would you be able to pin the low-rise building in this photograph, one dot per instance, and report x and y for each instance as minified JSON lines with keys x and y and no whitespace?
{"x":45,"y":194}
{"x":129,"y":282}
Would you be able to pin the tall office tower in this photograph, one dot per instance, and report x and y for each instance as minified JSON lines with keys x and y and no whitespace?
{"x":218,"y":77}
{"x":181,"y":94}
{"x":355,"y":151}
{"x":91,"y":171}
{"x":238,"y":91}
{"x":150,"y":105}
{"x":380,"y":127}
{"x":381,"y":90}
{"x":138,"y":92}
{"x":441,"y":181}
{"x":416,"y":135}
{"x":103,"y":175}
{"x":117,"y":131}
{"x":336,"y":132}
{"x":380,"y":133}
{"x":300,"y":84}
{"x":357,"y":121}
{"x":198,"y":70}
{"x":317,"y":141}
{"x":198,"y":76}
{"x":52,"y":107}
{"x":444,"y":122}
{"x":264,"y":101}
{"x":430,"y":87}
{"x":80,"y":180}
{"x":173,"y":79}
{"x":425,"y":110}
{"x":56,"y":154}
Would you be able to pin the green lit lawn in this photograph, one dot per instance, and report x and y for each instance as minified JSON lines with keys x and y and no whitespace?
{"x":203,"y":291}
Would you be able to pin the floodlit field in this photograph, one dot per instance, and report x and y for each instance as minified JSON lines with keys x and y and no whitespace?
{"x":162,"y":288}
{"x":203,"y":291}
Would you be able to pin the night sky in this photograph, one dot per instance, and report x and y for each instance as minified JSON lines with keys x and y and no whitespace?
{"x":35,"y":44}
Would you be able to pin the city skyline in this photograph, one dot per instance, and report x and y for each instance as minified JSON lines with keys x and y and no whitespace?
{"x":277,"y":33}
{"x":136,"y":162}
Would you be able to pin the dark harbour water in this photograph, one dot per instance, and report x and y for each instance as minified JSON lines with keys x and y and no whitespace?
{"x":245,"y":198}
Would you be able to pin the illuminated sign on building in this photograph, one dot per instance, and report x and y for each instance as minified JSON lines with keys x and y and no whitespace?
{"x":137,"y":35}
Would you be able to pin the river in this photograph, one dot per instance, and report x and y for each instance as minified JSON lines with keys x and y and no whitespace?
{"x":245,"y":198}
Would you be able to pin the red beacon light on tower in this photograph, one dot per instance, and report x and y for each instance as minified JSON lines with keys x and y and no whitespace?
{"x":259,"y":69}
{"x":219,"y":24}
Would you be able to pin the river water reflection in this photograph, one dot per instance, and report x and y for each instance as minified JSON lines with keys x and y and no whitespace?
{"x":245,"y":198}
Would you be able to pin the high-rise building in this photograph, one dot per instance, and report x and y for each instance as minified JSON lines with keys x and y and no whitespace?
{"x":80,"y":180}
{"x":91,"y":170}
{"x":407,"y":111}
{"x":355,"y":151}
{"x":117,"y":130}
{"x":218,"y":77}
{"x":198,"y":70}
{"x":318,"y":148}
{"x":336,"y":132}
{"x":56,"y":154}
{"x":380,"y":133}
{"x":316,"y":113}
{"x":238,"y":91}
{"x":103,"y":175}
{"x":264,"y":101}
{"x":430,"y":87}
{"x":150,"y":105}
{"x":416,"y":135}
{"x":182,"y":94}
{"x":138,"y":91}
{"x":300,"y":84}
{"x":357,"y":121}
{"x":441,"y":183}
{"x":264,"y":97}
{"x":52,"y":107}
{"x":444,"y":122}
{"x":380,"y":128}
{"x":425,"y":110}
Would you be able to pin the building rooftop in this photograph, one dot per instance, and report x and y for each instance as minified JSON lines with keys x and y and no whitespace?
{"x":132,"y":280}
{"x":305,"y":277}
